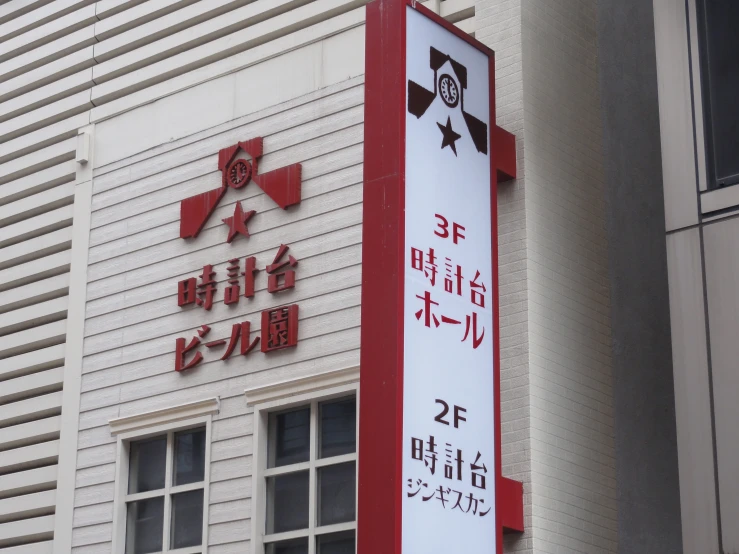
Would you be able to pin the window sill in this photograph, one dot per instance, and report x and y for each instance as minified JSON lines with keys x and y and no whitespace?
{"x":165,"y":416}
{"x":285,"y":389}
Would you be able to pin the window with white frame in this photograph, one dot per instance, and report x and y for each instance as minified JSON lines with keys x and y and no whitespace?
{"x":165,"y":492}
{"x":162,"y":479}
{"x":309,"y":477}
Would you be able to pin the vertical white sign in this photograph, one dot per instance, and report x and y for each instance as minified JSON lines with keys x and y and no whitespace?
{"x":448,"y":378}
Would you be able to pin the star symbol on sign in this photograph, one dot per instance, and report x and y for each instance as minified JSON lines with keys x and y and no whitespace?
{"x":450,"y":137}
{"x":237,"y":222}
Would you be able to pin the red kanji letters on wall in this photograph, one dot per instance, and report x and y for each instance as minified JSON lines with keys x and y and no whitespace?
{"x":279,"y":328}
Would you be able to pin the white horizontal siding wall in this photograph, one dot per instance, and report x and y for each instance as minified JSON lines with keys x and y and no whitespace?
{"x":44,"y":100}
{"x":135,"y":263}
{"x":37,"y":173}
{"x":556,"y":372}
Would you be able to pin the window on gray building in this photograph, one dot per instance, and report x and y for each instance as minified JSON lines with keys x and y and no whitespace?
{"x":718,"y":21}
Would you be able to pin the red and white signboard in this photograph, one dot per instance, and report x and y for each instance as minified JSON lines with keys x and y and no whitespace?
{"x":449,"y":414}
{"x":429,"y":470}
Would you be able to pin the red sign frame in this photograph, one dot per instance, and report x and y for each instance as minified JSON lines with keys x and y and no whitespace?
{"x":380,"y":486}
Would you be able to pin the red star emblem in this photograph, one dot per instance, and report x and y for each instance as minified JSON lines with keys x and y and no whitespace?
{"x":237,"y":222}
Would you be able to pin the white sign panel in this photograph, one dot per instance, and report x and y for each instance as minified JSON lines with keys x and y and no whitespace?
{"x":448,"y":385}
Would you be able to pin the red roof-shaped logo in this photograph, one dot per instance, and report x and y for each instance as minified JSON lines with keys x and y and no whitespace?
{"x":281,"y":185}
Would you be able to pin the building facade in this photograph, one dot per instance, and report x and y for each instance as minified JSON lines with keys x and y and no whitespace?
{"x":186,"y":379}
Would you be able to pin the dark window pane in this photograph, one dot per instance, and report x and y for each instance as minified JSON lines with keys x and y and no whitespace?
{"x":187,"y":519}
{"x":144,"y":526}
{"x":289,"y":437}
{"x":338,"y":428}
{"x":147,"y":465}
{"x":295,"y":546}
{"x":189,"y":456}
{"x":720,"y":63}
{"x":287,"y":502}
{"x":336,"y":543}
{"x":336,"y":493}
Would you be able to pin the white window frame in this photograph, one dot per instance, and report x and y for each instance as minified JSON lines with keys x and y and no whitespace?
{"x":309,"y":391}
{"x":167,"y":422}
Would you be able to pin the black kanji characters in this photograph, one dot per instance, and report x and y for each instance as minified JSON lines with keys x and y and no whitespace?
{"x":440,"y":494}
{"x":419,"y":483}
{"x":478,"y":479}
{"x":473,"y":505}
{"x":453,"y":462}
{"x":467,"y":504}
{"x":458,"y":503}
{"x":429,"y":456}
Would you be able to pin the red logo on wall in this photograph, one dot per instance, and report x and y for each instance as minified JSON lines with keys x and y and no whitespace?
{"x":281,"y":185}
{"x":239,"y":165}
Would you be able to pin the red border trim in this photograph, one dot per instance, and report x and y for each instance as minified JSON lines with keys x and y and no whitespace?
{"x":379,"y":519}
{"x":492,"y":130}
{"x":511,"y":493}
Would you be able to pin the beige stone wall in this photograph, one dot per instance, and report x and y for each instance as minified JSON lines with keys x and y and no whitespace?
{"x":555,"y":314}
